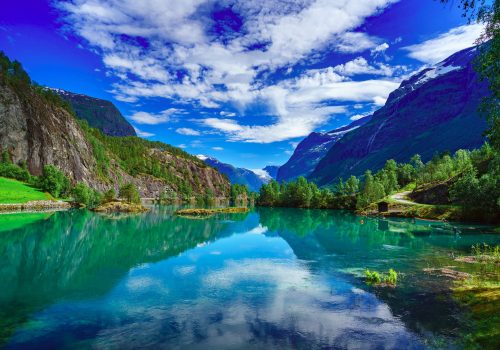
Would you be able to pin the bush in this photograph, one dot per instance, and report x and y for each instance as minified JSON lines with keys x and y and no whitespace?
{"x":109,"y":195}
{"x":54,"y":181}
{"x":130,"y":193}
{"x":85,"y":195}
{"x":13,"y":171}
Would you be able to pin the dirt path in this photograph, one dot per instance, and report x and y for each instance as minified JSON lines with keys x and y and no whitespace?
{"x":400,"y":198}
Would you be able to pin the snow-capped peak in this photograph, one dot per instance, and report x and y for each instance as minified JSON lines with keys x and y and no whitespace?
{"x":262,"y":174}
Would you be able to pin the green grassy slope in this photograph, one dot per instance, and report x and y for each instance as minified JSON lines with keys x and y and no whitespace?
{"x":13,"y":191}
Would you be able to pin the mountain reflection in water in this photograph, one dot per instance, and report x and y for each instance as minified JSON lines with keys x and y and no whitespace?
{"x":273,"y":278}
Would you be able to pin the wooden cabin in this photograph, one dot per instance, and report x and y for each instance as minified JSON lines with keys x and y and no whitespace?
{"x":383,"y":207}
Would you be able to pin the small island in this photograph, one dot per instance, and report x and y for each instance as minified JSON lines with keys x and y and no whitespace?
{"x":209,"y":212}
{"x":120,"y":207}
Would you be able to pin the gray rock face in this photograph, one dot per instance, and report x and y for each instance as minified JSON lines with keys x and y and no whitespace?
{"x":40,"y":134}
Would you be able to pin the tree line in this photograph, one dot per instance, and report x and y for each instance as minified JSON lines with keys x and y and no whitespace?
{"x":474,"y":177}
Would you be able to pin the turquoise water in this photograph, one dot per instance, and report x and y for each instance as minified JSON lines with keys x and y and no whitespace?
{"x":269,"y":279}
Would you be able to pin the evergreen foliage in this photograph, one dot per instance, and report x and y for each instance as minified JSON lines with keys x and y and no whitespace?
{"x":54,"y":181}
{"x":475,"y":177}
{"x":130,"y":193}
{"x":85,"y":195}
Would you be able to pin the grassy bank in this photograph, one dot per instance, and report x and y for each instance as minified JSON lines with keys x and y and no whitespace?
{"x":481,"y":294}
{"x":13,"y":191}
{"x":209,"y":212}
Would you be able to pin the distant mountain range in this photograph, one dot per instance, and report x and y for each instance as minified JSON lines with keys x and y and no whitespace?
{"x":312,"y":149}
{"x":100,"y":114}
{"x":253,"y":179}
{"x":433,"y":111}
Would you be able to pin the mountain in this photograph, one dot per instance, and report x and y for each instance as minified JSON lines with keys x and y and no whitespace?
{"x":312,"y":149}
{"x":272,"y":171}
{"x":36,"y":127}
{"x":433,"y":111}
{"x":100,"y":114}
{"x":240,"y":176}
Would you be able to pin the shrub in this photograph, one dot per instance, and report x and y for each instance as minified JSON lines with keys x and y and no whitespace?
{"x":54,"y":181}
{"x":130,"y":193}
{"x":13,"y":171}
{"x":85,"y":195}
{"x":109,"y":195}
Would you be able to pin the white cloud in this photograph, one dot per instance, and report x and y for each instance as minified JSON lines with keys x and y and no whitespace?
{"x":141,"y":133}
{"x":217,"y":148}
{"x":187,"y":131}
{"x":439,"y":48}
{"x":152,"y":118}
{"x":182,"y":145}
{"x":360,"y":65}
{"x":380,"y":48}
{"x":147,"y":51}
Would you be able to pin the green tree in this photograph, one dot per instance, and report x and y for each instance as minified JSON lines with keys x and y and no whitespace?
{"x":54,"y":181}
{"x":85,"y":195}
{"x":109,"y":195}
{"x":130,"y":193}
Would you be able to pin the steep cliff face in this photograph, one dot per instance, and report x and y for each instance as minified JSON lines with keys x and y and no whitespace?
{"x":39,"y":132}
{"x":100,"y":114}
{"x":435,"y":110}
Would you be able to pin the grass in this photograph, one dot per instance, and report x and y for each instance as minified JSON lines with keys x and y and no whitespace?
{"x":13,"y":192}
{"x":208,"y":212}
{"x":382,"y":279}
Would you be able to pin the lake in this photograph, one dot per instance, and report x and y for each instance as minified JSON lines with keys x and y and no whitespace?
{"x":269,"y":279}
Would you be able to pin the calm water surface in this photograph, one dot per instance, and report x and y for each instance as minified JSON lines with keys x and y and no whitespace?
{"x":270,"y":279}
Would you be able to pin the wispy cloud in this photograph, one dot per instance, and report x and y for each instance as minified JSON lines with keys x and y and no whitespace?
{"x":152,"y":118}
{"x":437,"y":49}
{"x":188,"y":132}
{"x":172,"y":53}
{"x":141,"y":133}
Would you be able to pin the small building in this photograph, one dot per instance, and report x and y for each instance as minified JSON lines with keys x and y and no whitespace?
{"x":383,"y":207}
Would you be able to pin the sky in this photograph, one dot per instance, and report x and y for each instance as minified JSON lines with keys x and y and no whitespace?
{"x":241,"y":81}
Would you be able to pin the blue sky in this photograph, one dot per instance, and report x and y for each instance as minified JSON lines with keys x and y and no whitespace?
{"x":242,"y":81}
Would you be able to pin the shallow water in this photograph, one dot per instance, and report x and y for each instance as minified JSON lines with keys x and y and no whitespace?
{"x":272,"y":278}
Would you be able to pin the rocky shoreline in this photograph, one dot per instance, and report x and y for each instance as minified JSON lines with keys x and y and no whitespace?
{"x":36,"y":206}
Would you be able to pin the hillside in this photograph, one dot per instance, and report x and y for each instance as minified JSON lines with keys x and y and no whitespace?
{"x":239,"y":176}
{"x":100,"y":114}
{"x":312,"y":149}
{"x":36,"y":127}
{"x":435,"y":110}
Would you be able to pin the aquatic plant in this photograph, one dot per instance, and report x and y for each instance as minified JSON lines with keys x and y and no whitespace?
{"x":486,"y":252}
{"x":374,"y":277}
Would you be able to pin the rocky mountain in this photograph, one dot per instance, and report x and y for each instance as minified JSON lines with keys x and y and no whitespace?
{"x":272,"y":171}
{"x":240,"y":176}
{"x":312,"y":149}
{"x":435,"y":110}
{"x":36,"y":128}
{"x":100,"y":114}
